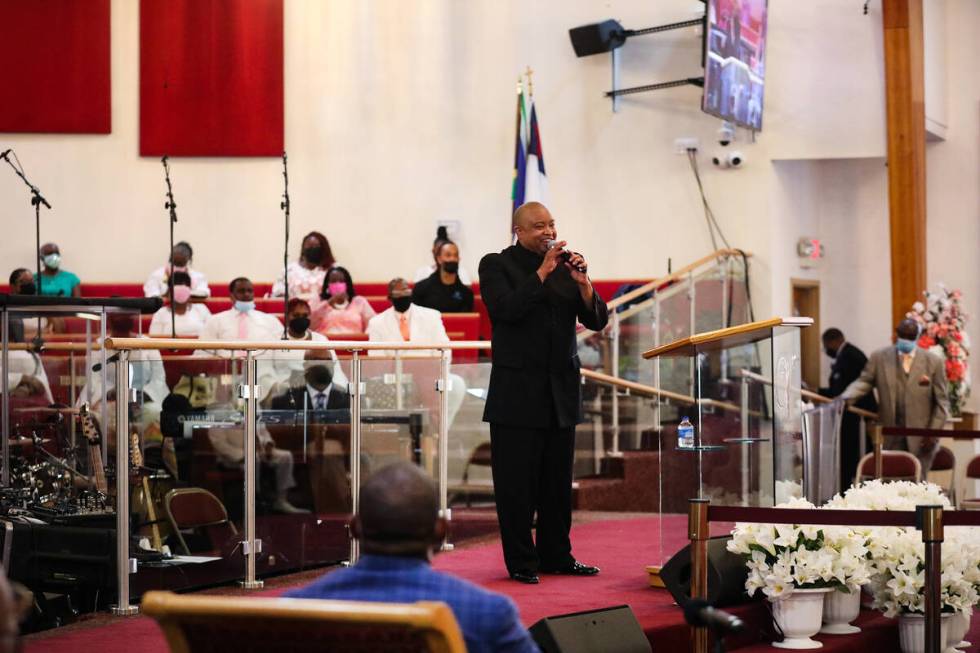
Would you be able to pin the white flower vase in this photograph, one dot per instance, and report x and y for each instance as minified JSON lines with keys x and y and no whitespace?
{"x":799,"y":616}
{"x":839,"y":610}
{"x":912,"y":631}
{"x":959,"y":626}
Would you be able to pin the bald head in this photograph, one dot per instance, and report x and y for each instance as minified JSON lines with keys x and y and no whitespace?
{"x":399,"y":512}
{"x":907,"y":329}
{"x":534,"y":226}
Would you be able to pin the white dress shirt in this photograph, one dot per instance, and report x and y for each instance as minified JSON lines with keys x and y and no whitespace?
{"x":224,"y":326}
{"x":147,"y":374}
{"x":424,"y":325}
{"x":156,"y":284}
{"x":278,"y":370}
{"x":191,"y":323}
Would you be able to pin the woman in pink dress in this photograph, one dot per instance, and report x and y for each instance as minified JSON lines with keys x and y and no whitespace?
{"x":340,"y":309}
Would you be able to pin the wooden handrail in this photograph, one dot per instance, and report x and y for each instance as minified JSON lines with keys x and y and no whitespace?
{"x":281,"y":345}
{"x":673,"y":276}
{"x":650,"y":391}
{"x":810,"y":394}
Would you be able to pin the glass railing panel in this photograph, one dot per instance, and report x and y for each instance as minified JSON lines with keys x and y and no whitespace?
{"x":302,"y":484}
{"x":470,"y":486}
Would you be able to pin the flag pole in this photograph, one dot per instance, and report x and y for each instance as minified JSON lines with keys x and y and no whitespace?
{"x":530,"y":83}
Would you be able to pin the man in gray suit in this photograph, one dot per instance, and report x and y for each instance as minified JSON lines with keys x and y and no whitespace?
{"x":911,"y":385}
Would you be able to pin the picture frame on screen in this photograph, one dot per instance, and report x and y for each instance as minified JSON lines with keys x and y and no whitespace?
{"x":735,"y":61}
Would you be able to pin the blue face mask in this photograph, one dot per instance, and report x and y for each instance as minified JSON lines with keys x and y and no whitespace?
{"x":905,"y":345}
{"x":244,"y":307}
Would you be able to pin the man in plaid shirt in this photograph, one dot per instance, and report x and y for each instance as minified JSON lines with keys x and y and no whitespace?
{"x":399,"y":526}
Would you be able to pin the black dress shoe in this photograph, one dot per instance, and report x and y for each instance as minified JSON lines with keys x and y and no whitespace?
{"x":527,"y":577}
{"x":576,"y":569}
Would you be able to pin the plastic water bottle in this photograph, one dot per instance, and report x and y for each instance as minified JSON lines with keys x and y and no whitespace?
{"x":685,"y":434}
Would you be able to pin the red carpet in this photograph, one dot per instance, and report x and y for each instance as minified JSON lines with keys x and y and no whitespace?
{"x":621,"y":547}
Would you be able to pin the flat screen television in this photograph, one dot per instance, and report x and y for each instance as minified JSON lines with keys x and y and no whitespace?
{"x":735,"y":61}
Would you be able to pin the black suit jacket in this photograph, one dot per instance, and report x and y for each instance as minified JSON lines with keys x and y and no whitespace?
{"x":535,"y":368}
{"x":292,"y":399}
{"x":846,"y":368}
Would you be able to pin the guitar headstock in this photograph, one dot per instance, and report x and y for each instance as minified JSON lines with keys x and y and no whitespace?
{"x":90,"y":429}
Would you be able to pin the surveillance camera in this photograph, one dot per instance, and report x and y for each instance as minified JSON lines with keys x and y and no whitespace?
{"x":726,"y":134}
{"x":731,"y":160}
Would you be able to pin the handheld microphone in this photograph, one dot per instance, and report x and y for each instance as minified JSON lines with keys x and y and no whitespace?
{"x":565,"y":255}
{"x":98,"y":366}
{"x":700,"y":613}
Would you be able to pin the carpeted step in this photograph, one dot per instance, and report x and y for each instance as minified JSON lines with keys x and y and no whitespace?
{"x":637,"y":490}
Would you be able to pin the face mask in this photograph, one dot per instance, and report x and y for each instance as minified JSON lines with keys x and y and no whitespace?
{"x":28,"y":288}
{"x":401,"y":304}
{"x":451,"y":267}
{"x":52,"y":261}
{"x":313,"y":254}
{"x":337,"y":288}
{"x":905,"y":345}
{"x":182,"y":294}
{"x":299,"y":324}
{"x":244,"y":307}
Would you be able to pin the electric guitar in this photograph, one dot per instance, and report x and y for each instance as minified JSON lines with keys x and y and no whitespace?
{"x":90,"y":431}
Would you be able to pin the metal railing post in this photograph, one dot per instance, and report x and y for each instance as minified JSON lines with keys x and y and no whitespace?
{"x":877,"y":441}
{"x":104,"y":413}
{"x":697,"y":533}
{"x":929,"y":520}
{"x":355,"y":446}
{"x":399,"y":373}
{"x":443,"y":388}
{"x":250,"y":545}
{"x":124,"y":564}
{"x":615,"y":393}
{"x":5,"y":436}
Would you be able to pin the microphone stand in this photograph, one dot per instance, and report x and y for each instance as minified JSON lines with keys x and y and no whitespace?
{"x":284,"y":205}
{"x":36,"y":201}
{"x":171,"y":206}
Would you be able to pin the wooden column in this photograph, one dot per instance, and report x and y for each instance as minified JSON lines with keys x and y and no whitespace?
{"x":905,"y":103}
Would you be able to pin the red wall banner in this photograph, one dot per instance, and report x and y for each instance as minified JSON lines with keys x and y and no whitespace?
{"x":211,"y":77}
{"x":56,"y":68}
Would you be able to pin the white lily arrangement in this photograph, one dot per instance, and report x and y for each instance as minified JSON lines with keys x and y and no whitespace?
{"x":782,"y":558}
{"x":898,"y":576}
{"x":890,"y":495}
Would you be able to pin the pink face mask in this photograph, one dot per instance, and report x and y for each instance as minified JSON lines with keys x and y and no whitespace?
{"x":182,"y":294}
{"x":337,"y":288}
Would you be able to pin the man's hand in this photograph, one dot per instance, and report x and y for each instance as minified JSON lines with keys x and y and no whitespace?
{"x":551,"y":260}
{"x":578,"y":268}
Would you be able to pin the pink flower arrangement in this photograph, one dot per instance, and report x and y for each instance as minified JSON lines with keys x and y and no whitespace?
{"x":944,"y":333}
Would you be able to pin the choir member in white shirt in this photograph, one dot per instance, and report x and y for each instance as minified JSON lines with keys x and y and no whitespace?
{"x":306,"y":275}
{"x":241,"y":322}
{"x":185,"y":318}
{"x":279,"y":370}
{"x":406,"y":322}
{"x":180,"y":261}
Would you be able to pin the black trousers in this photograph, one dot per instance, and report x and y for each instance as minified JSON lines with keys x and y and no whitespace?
{"x":532,"y":473}
{"x":850,"y":448}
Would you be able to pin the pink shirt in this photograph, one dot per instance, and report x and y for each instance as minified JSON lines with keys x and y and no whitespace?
{"x":352,"y":318}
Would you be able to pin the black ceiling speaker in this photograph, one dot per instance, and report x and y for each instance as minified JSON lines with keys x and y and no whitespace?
{"x":597,"y":38}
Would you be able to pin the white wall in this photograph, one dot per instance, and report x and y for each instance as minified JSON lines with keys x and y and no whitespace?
{"x":399,"y":114}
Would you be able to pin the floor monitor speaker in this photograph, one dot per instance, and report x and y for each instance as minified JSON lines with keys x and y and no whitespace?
{"x":726,"y":575}
{"x":609,"y":630}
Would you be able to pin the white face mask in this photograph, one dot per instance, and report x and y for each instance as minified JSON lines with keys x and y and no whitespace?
{"x":52,"y":260}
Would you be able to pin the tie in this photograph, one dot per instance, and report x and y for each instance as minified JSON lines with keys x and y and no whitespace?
{"x":320,"y":401}
{"x":907,"y":362}
{"x":403,"y":325}
{"x":242,"y":326}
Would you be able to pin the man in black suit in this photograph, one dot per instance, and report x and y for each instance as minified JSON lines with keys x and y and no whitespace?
{"x":319,"y":392}
{"x":534,"y":292}
{"x":847,"y":366}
